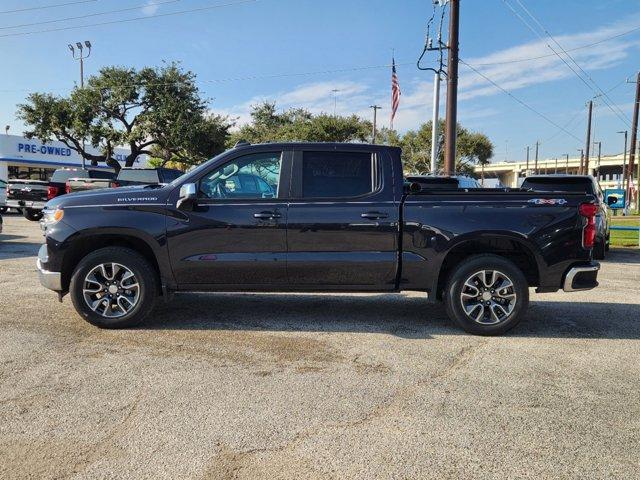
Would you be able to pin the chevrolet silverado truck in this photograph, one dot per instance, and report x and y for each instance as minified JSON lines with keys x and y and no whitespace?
{"x":28,"y":197}
{"x":315,"y":217}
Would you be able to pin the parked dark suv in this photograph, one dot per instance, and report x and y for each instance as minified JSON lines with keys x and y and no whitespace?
{"x":578,"y":184}
{"x":58,"y":181}
{"x":146,"y":176}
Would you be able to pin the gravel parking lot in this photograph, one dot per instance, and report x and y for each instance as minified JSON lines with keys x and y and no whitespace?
{"x":317,"y":386}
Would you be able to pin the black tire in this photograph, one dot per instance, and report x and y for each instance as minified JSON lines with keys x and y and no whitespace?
{"x":31,"y":214}
{"x":456,"y":294}
{"x":144,"y":275}
{"x":599,"y":249}
{"x":607,"y":243}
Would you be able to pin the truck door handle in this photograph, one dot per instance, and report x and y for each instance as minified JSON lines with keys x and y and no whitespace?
{"x":374,"y":215}
{"x":266,"y":215}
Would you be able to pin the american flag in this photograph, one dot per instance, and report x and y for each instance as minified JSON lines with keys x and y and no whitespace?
{"x":395,"y":91}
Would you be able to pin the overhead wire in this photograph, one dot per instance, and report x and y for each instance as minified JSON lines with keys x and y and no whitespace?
{"x":613,"y":106}
{"x":88,"y":15}
{"x":126,"y":20}
{"x":521,"y":102}
{"x":619,"y":114}
{"x":43,"y":7}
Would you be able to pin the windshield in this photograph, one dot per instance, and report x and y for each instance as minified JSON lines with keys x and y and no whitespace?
{"x":61,"y":176}
{"x":144,"y":176}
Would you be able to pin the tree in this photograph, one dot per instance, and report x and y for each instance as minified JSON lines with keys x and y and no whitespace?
{"x":298,"y":124}
{"x":471,"y":148}
{"x":152,"y":110}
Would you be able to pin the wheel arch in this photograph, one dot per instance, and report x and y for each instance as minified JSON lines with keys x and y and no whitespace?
{"x":85,"y":244}
{"x":514,"y":248}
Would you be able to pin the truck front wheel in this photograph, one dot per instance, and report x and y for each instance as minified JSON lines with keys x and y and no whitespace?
{"x":114,"y":287}
{"x":486,"y":295}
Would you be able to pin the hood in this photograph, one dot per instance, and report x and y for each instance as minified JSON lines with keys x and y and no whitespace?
{"x":137,"y":195}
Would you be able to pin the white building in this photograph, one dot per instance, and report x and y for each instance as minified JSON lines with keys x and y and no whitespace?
{"x":21,"y":157}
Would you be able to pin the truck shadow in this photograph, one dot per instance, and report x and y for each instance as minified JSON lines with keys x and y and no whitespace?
{"x":622,"y":255}
{"x":9,"y":248}
{"x":393,"y":314}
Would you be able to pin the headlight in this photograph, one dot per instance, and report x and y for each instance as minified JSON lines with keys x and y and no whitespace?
{"x":51,"y":217}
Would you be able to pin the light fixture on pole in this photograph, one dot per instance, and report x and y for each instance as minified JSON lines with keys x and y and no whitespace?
{"x":81,"y":55}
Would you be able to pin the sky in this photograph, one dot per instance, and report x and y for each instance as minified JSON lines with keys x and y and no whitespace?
{"x":296,"y":52}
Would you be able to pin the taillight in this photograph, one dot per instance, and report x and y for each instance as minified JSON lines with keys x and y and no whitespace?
{"x":588,"y":210}
{"x":52,"y":192}
{"x":67,"y":188}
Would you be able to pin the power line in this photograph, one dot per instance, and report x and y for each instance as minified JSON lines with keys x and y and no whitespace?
{"x":28,"y":9}
{"x":555,"y":52}
{"x":613,"y":106}
{"x":89,"y":15}
{"x":539,"y":57}
{"x":147,"y":17}
{"x":524,"y":104}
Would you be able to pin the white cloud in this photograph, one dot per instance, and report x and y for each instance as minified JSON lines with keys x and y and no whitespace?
{"x":416,"y":100}
{"x":151,"y":7}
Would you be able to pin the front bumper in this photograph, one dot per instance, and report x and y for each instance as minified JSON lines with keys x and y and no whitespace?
{"x":581,"y":277}
{"x":25,"y":204}
{"x":50,"y":280}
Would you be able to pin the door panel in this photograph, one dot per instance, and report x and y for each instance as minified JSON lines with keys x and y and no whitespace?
{"x":349,"y":242}
{"x":236,"y":234}
{"x":227,"y":244}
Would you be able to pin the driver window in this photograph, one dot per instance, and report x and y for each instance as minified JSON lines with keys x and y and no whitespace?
{"x":250,"y":177}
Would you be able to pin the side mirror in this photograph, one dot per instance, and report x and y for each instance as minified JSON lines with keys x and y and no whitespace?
{"x":188,"y":196}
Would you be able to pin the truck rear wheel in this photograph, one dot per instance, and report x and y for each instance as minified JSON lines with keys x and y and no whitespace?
{"x":486,"y":295}
{"x":114,"y":287}
{"x":31,"y":214}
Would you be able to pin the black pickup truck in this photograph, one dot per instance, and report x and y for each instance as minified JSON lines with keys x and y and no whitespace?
{"x":315,"y":217}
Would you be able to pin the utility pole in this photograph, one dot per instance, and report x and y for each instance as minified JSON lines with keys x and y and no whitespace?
{"x":434,"y":121}
{"x":452,"y":88}
{"x":588,"y":145}
{"x":375,"y":112}
{"x":535,"y":167}
{"x":634,"y":136}
{"x":566,"y":170}
{"x":526,"y":172}
{"x":556,"y":170}
{"x":624,"y":159}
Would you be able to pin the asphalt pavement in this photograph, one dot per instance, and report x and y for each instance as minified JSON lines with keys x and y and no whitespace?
{"x":306,"y":386}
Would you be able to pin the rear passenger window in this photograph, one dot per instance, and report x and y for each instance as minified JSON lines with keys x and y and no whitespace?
{"x":337,"y":174}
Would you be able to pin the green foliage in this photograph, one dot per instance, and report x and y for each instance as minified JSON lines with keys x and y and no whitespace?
{"x":297,"y":124}
{"x":154,"y":111}
{"x":471,"y":148}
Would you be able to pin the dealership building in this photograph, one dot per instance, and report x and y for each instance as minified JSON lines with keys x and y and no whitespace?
{"x":33,"y":159}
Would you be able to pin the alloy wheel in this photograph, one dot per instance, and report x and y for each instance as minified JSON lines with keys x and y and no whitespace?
{"x":111,"y":290}
{"x":488,"y":297}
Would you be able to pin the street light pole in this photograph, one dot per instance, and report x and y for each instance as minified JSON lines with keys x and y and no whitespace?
{"x":566,"y":169}
{"x":624,"y":158}
{"x":375,"y":116}
{"x":81,"y":57}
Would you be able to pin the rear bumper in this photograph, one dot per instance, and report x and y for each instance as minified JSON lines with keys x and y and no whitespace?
{"x":50,"y":280}
{"x":25,"y":204}
{"x":581,"y":277}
